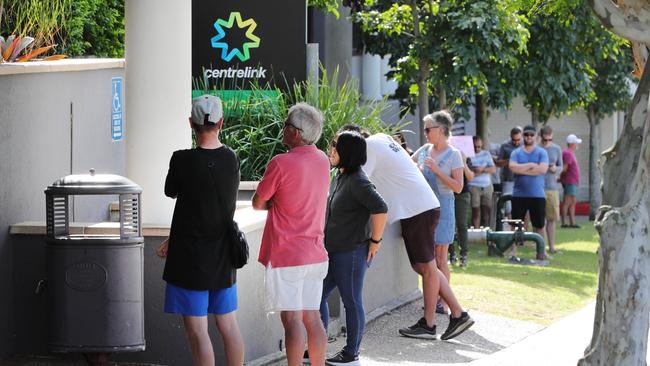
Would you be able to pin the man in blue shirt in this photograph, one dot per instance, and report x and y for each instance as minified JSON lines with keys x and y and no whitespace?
{"x":529,"y":164}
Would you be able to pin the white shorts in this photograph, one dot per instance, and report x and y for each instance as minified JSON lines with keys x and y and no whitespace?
{"x":295,"y":288}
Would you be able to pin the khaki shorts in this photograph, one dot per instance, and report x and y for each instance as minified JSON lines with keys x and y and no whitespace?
{"x":295,"y":288}
{"x":552,"y":205}
{"x":481,"y":196}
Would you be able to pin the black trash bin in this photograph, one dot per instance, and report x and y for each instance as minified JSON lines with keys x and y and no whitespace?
{"x":95,"y":282}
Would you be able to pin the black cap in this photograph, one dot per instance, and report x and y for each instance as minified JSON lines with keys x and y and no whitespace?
{"x":530,"y":128}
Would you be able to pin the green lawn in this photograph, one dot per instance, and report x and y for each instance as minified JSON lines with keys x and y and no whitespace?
{"x":538,"y":294}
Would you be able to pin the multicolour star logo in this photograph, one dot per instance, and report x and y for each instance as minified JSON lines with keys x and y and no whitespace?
{"x":227,"y":52}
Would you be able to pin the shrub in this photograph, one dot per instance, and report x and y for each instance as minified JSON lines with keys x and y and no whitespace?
{"x":94,"y":28}
{"x":253,"y":125}
{"x":79,"y":27}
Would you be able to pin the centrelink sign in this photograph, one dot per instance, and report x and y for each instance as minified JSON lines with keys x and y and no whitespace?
{"x":237,"y":42}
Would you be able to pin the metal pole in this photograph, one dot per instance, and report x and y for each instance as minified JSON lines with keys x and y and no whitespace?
{"x":312,"y":70}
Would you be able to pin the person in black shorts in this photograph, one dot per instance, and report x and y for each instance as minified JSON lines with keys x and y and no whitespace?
{"x":529,"y":164}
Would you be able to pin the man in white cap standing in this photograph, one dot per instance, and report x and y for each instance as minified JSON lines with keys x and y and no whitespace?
{"x":200,"y":277}
{"x":570,"y":179}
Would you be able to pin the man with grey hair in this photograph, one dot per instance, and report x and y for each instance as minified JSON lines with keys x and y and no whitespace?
{"x":294,"y":191}
{"x":551,"y":187}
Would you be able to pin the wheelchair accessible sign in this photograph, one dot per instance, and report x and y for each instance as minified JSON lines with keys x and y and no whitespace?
{"x":117,"y":101}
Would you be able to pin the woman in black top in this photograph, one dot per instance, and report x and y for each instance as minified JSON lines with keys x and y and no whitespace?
{"x":350,"y":243}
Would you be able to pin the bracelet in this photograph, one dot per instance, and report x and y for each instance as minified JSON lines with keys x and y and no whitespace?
{"x":374,"y":241}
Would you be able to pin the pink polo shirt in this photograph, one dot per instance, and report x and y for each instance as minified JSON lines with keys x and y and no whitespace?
{"x":296,"y":183}
{"x":572,"y":174}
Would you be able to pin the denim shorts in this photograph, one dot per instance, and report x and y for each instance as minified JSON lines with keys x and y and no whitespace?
{"x":447,"y":223}
{"x":183,"y":301}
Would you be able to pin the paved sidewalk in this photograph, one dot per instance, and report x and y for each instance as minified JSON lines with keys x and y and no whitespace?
{"x":492,"y":341}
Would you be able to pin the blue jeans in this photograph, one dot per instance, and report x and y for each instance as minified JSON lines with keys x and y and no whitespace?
{"x":347,"y":271}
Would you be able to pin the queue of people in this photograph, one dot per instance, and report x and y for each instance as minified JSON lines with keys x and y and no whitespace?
{"x":321,"y":235}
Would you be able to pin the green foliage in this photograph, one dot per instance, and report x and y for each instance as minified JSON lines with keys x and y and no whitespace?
{"x":40,"y":19}
{"x":556,"y":72}
{"x":612,"y":61}
{"x":573,"y":62}
{"x":470,"y":46}
{"x":330,"y":6}
{"x":94,"y":27}
{"x":79,"y":27}
{"x":253,"y":126}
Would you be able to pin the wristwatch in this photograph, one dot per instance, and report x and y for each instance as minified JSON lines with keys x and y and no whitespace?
{"x":374,"y":241}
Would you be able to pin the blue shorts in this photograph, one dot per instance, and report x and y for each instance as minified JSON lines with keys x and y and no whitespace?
{"x":447,"y":222}
{"x":179,"y":300}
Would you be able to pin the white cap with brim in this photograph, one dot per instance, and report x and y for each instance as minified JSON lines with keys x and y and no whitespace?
{"x":206,"y":110}
{"x":573,"y":139}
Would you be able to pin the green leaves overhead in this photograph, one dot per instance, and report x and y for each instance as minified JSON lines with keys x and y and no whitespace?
{"x":470,"y":45}
{"x":573,"y":62}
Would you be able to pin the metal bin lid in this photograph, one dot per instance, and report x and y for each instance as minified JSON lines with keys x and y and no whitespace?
{"x":93,"y":184}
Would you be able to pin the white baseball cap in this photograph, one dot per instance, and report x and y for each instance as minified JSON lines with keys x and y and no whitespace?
{"x":573,"y":139}
{"x":206,"y":110}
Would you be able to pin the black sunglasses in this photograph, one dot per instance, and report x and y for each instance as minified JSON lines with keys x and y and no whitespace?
{"x":427,"y":129}
{"x":529,"y":135}
{"x":288,"y":124}
{"x":545,"y":140}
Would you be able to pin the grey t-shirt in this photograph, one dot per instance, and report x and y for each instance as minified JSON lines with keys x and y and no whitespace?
{"x":504,"y":154}
{"x":554,"y":158}
{"x":448,"y":160}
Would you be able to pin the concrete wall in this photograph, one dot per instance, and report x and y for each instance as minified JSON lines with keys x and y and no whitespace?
{"x":36,"y":110}
{"x":390,"y":277}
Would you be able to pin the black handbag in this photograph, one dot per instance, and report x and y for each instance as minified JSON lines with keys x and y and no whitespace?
{"x":235,"y":238}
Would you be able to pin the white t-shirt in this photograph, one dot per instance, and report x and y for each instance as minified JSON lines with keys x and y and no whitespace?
{"x":397,"y":178}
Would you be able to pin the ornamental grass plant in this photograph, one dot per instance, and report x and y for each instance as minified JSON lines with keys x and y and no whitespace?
{"x":254,"y":118}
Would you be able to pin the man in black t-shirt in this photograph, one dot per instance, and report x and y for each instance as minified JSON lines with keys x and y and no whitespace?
{"x":198,"y":271}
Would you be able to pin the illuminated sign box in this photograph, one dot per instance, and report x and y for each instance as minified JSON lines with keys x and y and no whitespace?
{"x":237,"y":44}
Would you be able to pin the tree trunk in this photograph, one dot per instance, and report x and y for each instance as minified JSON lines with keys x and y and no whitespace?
{"x":622,"y":159}
{"x":442,"y":98}
{"x":423,"y":96}
{"x":621,"y":325}
{"x":594,"y":154}
{"x":423,"y":74}
{"x":620,"y":332}
{"x":620,"y":335}
{"x":481,"y":119}
{"x":536,"y":119}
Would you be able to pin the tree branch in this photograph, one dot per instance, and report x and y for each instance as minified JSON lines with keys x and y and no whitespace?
{"x":626,"y":22}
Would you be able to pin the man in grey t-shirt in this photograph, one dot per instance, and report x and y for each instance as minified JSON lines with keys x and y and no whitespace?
{"x":507,"y":178}
{"x":551,"y":187}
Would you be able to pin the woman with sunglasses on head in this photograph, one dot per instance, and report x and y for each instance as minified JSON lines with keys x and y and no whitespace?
{"x":353,"y":202}
{"x":442,"y":166}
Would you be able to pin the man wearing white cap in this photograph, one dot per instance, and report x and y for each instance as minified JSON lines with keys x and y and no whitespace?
{"x":200,"y":277}
{"x":570,"y":179}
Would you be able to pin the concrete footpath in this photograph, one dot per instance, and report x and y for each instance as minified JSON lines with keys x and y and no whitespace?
{"x":491,"y":341}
